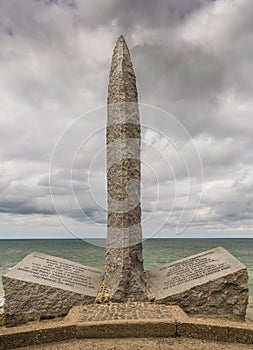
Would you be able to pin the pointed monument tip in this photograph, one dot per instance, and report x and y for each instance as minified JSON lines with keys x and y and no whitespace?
{"x":120,"y":45}
{"x":122,"y":82}
{"x":121,"y":39}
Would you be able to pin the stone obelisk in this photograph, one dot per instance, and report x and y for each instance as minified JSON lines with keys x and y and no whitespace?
{"x":124,"y":272}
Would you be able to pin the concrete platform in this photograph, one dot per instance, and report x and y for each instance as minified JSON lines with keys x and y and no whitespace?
{"x":128,"y":320}
{"x":141,"y":343}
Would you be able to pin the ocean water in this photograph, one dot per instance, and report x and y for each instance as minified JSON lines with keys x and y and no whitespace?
{"x":156,"y":252}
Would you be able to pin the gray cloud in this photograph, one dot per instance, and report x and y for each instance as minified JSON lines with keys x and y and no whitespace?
{"x":193,"y":59}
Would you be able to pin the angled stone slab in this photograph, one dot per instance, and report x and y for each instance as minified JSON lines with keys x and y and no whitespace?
{"x":42,"y":286}
{"x":212,"y":282}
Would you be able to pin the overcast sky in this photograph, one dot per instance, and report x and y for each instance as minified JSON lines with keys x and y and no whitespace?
{"x":194,"y":68}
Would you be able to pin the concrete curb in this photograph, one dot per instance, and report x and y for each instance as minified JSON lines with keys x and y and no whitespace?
{"x":179,"y":324}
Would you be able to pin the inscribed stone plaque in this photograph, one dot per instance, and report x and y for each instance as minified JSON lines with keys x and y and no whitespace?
{"x":42,"y":285}
{"x":212,"y":282}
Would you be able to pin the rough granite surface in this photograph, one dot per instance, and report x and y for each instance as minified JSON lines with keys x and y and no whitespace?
{"x":124,"y":273}
{"x":39,"y":287}
{"x":212,"y":283}
{"x":225,"y":296}
{"x":25,"y":301}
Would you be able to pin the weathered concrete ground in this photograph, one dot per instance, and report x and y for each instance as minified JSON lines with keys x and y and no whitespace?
{"x":141,"y":343}
{"x":129,"y":326}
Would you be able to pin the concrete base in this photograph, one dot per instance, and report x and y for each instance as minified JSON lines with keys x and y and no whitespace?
{"x":128,"y":320}
{"x":176,"y":343}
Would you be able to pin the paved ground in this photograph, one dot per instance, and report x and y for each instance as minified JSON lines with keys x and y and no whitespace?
{"x":125,"y":311}
{"x":145,"y":344}
{"x":129,"y":320}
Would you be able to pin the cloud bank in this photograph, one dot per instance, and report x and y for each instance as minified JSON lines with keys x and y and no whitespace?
{"x":193,"y":60}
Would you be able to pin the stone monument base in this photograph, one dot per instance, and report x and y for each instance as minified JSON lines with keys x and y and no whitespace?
{"x":211,"y":283}
{"x":43,"y":286}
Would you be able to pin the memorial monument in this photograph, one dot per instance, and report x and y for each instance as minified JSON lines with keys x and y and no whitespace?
{"x":42,"y":286}
{"x":124,"y":272}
